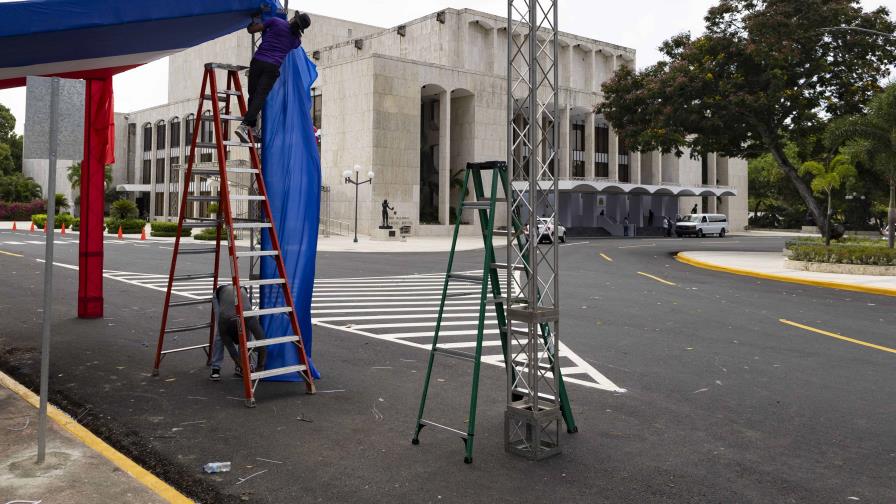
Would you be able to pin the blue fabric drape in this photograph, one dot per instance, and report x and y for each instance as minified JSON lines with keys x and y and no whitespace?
{"x":291,"y":166}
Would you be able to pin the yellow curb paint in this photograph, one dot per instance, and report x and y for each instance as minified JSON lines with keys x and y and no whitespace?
{"x":680,"y":257}
{"x":838,"y":336}
{"x":10,"y":254}
{"x":658,"y":279}
{"x":127,"y":465}
{"x":605,"y":256}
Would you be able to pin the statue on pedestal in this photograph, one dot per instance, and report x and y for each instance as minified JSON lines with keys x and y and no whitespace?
{"x":386,"y":208}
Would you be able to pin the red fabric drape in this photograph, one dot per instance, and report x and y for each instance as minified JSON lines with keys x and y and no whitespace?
{"x":99,"y":150}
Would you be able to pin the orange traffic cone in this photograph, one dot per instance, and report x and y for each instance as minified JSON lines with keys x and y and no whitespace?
{"x":45,"y":228}
{"x":143,"y":233}
{"x":120,"y":234}
{"x":14,"y":226}
{"x":63,"y":229}
{"x":32,"y":226}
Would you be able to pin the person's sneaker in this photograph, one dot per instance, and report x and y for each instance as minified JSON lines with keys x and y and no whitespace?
{"x":243,"y":131}
{"x":237,"y":372}
{"x":216,"y":375}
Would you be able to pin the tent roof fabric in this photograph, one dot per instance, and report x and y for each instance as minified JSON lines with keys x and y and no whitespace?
{"x":55,"y":37}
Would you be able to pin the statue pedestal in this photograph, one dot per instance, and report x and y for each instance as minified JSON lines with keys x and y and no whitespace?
{"x":385,"y":233}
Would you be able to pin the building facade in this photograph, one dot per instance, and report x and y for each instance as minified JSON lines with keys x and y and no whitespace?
{"x":415,"y":103}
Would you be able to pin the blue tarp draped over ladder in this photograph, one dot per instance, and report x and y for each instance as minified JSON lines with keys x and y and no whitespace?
{"x":291,"y":167}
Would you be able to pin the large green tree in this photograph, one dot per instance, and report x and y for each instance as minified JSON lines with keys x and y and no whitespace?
{"x":765,"y":73}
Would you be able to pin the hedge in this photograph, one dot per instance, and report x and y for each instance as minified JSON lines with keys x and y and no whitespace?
{"x":40,"y":220}
{"x":210,"y":234}
{"x":76,"y":224}
{"x":128,"y":226}
{"x":844,"y":254}
{"x":849,"y":241}
{"x":167,"y":229}
{"x":21,"y":211}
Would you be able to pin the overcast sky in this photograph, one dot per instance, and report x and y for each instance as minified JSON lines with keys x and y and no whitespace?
{"x":641,"y":24}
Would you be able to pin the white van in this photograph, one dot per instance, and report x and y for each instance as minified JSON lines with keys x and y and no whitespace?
{"x":701,"y":225}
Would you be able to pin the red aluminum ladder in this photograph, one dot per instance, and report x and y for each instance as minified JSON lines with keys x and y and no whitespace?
{"x":210,"y":94}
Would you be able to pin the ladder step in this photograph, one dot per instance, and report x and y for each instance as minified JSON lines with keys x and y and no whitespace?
{"x":224,"y":92}
{"x":226,"y":66}
{"x":201,"y":276}
{"x":257,"y":253}
{"x":246,"y":197}
{"x":465,"y":278}
{"x":269,"y":281}
{"x":251,"y":225}
{"x":503,"y":266}
{"x":271,"y":341}
{"x":190,"y":302}
{"x":184,"y":349}
{"x":230,"y":117}
{"x":205,"y":223}
{"x":203,"y":250}
{"x":457,"y":354}
{"x":266,"y":311}
{"x":276,"y":372}
{"x":196,"y":197}
{"x":462,"y":434}
{"x":216,"y":171}
{"x":229,"y":143}
{"x":188,"y":328}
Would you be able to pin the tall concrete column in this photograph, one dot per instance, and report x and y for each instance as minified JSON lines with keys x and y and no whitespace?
{"x":152,"y":175}
{"x":589,"y":145}
{"x":564,"y":155}
{"x":613,"y":153}
{"x":500,"y":65}
{"x":444,"y":157}
{"x":592,"y":63}
{"x":711,"y":180}
{"x":656,"y":167}
{"x":569,"y":67}
{"x":634,"y":166}
{"x":671,"y":168}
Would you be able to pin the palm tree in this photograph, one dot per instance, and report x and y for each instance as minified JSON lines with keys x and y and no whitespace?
{"x":827,"y":176}
{"x":871,"y":138}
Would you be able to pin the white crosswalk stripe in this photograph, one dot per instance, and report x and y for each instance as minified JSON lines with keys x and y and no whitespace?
{"x":399,"y":309}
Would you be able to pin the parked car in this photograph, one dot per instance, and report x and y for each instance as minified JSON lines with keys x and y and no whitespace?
{"x":545,"y":230}
{"x":701,"y":225}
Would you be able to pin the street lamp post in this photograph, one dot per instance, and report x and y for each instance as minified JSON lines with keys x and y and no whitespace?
{"x":348,"y":180}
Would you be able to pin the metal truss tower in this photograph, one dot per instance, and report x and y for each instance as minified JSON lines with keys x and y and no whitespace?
{"x":533,"y":415}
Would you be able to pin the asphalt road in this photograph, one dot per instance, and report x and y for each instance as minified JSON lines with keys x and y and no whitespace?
{"x":723,"y":402}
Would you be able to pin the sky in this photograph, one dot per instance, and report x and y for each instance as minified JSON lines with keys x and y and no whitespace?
{"x":640,"y":24}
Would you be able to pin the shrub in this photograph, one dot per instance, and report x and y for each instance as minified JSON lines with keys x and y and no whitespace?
{"x":123,"y":209}
{"x":873,"y":255}
{"x":40,"y":220}
{"x":167,"y":229}
{"x":210,"y":234}
{"x":21,"y":211}
{"x":128,"y":226}
{"x":76,"y":224}
{"x":849,"y":241}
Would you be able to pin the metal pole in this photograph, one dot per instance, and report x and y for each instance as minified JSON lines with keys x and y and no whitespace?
{"x":48,"y":273}
{"x":357,"y":184}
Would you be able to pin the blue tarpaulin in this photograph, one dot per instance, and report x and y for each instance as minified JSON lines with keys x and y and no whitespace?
{"x":291,"y":167}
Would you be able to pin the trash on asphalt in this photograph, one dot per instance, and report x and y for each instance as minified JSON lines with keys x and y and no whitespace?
{"x":216,"y":467}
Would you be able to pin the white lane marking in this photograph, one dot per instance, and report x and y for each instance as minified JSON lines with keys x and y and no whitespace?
{"x":636,"y":246}
{"x":576,"y":243}
{"x":13,"y":243}
{"x":32,"y":242}
{"x":422,"y":324}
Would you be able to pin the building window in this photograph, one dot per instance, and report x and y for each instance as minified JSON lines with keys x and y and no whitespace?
{"x":160,"y":135}
{"x":624,"y":171}
{"x":160,"y":204}
{"x":602,"y":151}
{"x":132,"y":154}
{"x":147,"y":171}
{"x":174,"y":141}
{"x":206,"y":135}
{"x":189,"y":124}
{"x":704,"y":171}
{"x":147,"y":137}
{"x":317,"y":103}
{"x":577,"y":147}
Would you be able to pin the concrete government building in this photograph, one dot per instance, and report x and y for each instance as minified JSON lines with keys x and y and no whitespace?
{"x":415,"y":103}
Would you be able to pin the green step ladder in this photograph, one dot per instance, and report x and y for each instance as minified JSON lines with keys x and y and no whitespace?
{"x":489,"y":280}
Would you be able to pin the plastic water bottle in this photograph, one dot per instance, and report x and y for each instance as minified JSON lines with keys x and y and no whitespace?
{"x":216,"y":467}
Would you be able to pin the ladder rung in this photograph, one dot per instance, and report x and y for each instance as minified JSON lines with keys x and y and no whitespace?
{"x":200,"y":276}
{"x":203,"y":250}
{"x":188,"y":328}
{"x":423,"y":421}
{"x":271,"y":341}
{"x":503,"y":266}
{"x":226,"y":66}
{"x":217,"y":171}
{"x":196,"y":197}
{"x":184,"y":349}
{"x":246,"y":197}
{"x":465,"y":278}
{"x":266,"y":311}
{"x":229,"y":143}
{"x":190,"y":302}
{"x":257,"y":253}
{"x":251,"y":225}
{"x":230,"y":92}
{"x":457,"y":354}
{"x":210,"y":223}
{"x":230,"y":117}
{"x":267,"y":281}
{"x":276,"y":372}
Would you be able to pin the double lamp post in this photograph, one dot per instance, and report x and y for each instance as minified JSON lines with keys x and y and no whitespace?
{"x":357,"y":182}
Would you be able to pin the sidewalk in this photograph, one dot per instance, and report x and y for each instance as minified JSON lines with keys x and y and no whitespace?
{"x":770,"y":265}
{"x":74,"y":469}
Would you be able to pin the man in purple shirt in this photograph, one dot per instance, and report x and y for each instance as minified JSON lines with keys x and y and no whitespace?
{"x":278,"y":37}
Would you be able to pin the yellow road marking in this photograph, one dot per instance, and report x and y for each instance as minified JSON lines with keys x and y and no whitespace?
{"x":838,"y":336}
{"x":10,"y":254}
{"x":605,"y":256}
{"x":127,"y":465}
{"x":658,"y":279}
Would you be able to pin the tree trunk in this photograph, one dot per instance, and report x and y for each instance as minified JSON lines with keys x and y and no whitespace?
{"x":827,"y":223}
{"x":801,"y":187}
{"x":891,"y":215}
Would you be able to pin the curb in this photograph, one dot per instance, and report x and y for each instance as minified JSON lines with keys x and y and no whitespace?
{"x":144,"y":477}
{"x":881,"y":291}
